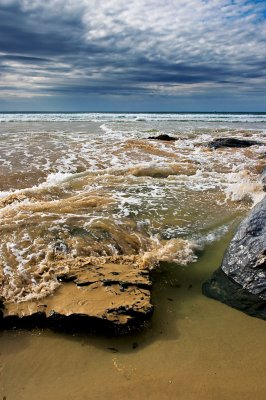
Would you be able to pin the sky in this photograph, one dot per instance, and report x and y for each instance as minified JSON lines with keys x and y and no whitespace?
{"x":138,"y":55}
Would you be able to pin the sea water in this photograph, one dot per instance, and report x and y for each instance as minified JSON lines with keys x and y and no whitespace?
{"x":96,"y":185}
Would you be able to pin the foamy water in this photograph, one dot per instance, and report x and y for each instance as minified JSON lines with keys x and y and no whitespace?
{"x":133,"y":117}
{"x":95,"y":186}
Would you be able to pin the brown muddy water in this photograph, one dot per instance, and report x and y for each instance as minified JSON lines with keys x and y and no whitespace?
{"x":98,"y":188}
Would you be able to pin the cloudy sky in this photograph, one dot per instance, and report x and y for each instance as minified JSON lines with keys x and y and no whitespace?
{"x":176,"y":55}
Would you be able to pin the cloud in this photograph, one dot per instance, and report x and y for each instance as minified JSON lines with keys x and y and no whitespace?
{"x":118,"y":47}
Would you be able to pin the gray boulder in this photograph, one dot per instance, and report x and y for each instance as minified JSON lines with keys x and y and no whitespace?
{"x":263,"y":179}
{"x":241,"y":280}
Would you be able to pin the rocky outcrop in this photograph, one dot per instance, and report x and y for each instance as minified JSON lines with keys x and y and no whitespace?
{"x":110,"y":297}
{"x":241,"y":280}
{"x":163,"y":137}
{"x":231,"y":142}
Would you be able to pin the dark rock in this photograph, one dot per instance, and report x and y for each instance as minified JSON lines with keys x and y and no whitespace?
{"x":66,"y":278}
{"x":245,"y":258}
{"x":231,"y":142}
{"x":241,"y":279}
{"x":163,"y":137}
{"x":224,"y":289}
{"x":263,"y":179}
{"x":1,"y":308}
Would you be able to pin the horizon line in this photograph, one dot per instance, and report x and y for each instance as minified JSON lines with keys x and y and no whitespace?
{"x":131,"y":112}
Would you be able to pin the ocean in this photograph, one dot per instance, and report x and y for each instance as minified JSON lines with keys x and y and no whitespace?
{"x":98,"y":186}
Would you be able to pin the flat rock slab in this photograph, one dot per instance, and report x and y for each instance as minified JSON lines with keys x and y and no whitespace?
{"x":241,"y":280}
{"x":112,"y":296}
{"x":231,"y":142}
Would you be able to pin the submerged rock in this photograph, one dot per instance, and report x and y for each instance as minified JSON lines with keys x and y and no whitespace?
{"x":109,"y":297}
{"x":163,"y":137}
{"x":231,"y":142}
{"x":241,"y":280}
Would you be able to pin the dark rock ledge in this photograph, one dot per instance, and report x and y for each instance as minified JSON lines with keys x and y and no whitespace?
{"x":110,"y":298}
{"x":240,"y":281}
{"x":231,"y":142}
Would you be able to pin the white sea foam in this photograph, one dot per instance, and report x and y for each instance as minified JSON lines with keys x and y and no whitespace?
{"x":212,"y":236}
{"x":130,"y":117}
{"x":240,"y":187}
{"x":106,"y":129}
{"x":55,"y":179}
{"x":4,"y":193}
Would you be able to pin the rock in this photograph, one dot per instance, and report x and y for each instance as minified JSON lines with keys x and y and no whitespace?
{"x":231,"y":142}
{"x":221,"y":287}
{"x":163,"y":137}
{"x":263,"y":179}
{"x":109,"y":297}
{"x":241,"y":280}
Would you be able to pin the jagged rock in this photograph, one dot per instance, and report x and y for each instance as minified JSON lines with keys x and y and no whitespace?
{"x":241,"y":280}
{"x":163,"y":137}
{"x":231,"y":142}
{"x":109,"y":297}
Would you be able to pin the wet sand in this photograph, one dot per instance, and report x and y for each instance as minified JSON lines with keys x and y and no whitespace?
{"x":194,"y":348}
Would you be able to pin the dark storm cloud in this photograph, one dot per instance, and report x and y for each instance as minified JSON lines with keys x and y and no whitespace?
{"x":101,"y":47}
{"x":25,"y":59}
{"x":30,"y":34}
